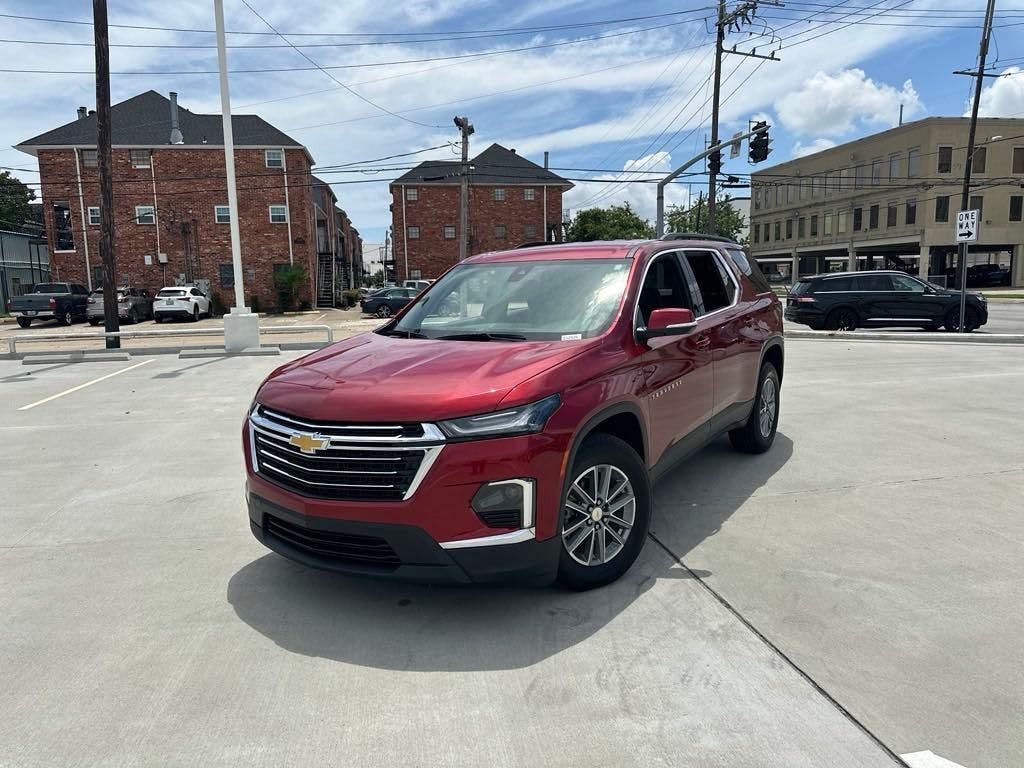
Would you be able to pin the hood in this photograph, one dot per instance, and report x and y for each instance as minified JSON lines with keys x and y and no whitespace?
{"x":374,"y":378}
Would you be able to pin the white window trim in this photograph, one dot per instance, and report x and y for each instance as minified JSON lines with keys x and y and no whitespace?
{"x":409,"y":232}
{"x":152,"y":212}
{"x":216,"y":214}
{"x":529,"y":194}
{"x":412,"y":194}
{"x":266,"y":158}
{"x":270,"y":213}
{"x":495,"y":197}
{"x":98,"y":216}
{"x":454,"y":230}
{"x":149,"y":158}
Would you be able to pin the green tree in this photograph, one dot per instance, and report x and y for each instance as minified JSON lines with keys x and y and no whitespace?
{"x":14,"y":201}
{"x":619,"y":222}
{"x":728,"y":221}
{"x":290,"y":281}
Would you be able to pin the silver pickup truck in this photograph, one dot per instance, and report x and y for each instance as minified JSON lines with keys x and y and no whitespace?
{"x":63,"y":302}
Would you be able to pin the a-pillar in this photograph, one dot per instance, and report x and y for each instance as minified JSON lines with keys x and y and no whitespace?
{"x":924,"y":262}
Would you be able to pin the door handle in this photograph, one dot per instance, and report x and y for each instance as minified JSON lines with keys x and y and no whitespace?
{"x":703,"y":342}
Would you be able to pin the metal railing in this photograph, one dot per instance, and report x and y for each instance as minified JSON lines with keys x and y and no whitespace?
{"x":12,"y":342}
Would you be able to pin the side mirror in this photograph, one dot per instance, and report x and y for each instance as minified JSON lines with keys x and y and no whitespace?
{"x":667,"y":322}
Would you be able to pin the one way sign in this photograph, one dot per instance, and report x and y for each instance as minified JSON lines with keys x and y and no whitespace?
{"x":967,"y":226}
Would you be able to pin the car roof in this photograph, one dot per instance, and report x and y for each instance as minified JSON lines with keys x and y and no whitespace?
{"x":825,"y":275}
{"x":598,"y":249}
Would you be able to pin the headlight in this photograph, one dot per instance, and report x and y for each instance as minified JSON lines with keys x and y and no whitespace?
{"x":512,"y":421}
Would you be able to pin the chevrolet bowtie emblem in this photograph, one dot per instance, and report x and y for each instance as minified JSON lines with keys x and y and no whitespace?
{"x":308,"y":443}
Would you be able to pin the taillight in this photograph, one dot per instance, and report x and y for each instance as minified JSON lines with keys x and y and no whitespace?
{"x":803,"y":299}
{"x":53,"y":302}
{"x":92,"y":300}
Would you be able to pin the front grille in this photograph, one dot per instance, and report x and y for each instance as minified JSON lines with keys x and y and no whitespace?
{"x":347,"y":547}
{"x":360,"y":462}
{"x":502,"y":518}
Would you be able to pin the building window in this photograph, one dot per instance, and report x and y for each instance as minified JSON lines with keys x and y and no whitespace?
{"x":413,"y":233}
{"x":227,"y":275}
{"x":858,"y":219}
{"x":873,"y":217}
{"x":845,"y":179}
{"x":529,"y":193}
{"x":90,"y":158}
{"x":814,"y":226}
{"x":789,"y":193}
{"x":274,"y":158}
{"x":801,"y":228}
{"x":757,"y":198}
{"x":827,"y":225}
{"x":222,"y":214}
{"x":145,"y":214}
{"x":977,"y":202}
{"x":63,"y":234}
{"x":862,"y":172}
{"x":830,"y":184}
{"x":910,"y":214}
{"x":449,"y":232}
{"x":945,"y":160}
{"x":894,"y":165}
{"x":778,"y":230}
{"x":1018,"y":160}
{"x":789,"y":229}
{"x":890,"y":215}
{"x":841,"y":223}
{"x":778,"y":194}
{"x":498,"y":194}
{"x":767,"y":232}
{"x":500,"y":231}
{"x":980,"y":160}
{"x":415,"y":274}
{"x":803,"y":188}
{"x":876,"y":172}
{"x":94,"y":215}
{"x":913,"y":162}
{"x":757,"y":234}
{"x":140,"y":158}
{"x":278,"y":214}
{"x":1016,"y":207}
{"x":942,"y":208}
{"x":530,"y":232}
{"x":412,"y":194}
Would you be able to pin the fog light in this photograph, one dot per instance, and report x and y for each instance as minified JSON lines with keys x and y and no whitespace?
{"x":505,"y":503}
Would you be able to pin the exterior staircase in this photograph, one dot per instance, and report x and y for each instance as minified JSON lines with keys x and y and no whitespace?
{"x":325,"y":280}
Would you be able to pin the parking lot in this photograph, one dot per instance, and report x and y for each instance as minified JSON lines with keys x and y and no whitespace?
{"x":851,"y":596}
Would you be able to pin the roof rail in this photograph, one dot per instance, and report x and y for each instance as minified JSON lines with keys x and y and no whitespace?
{"x":534,"y":244}
{"x":696,"y":236}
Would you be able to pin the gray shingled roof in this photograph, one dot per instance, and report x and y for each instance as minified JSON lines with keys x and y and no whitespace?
{"x":495,"y":165}
{"x":145,"y":120}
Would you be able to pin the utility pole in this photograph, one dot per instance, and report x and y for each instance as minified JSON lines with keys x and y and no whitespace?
{"x":466,"y":129}
{"x":965,"y":194}
{"x":111,"y":323}
{"x":743,"y":14}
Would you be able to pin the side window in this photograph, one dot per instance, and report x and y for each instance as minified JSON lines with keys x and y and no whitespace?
{"x":664,"y":288}
{"x":906,"y":284}
{"x":834,"y":284}
{"x":750,"y":268}
{"x":716,"y":290}
{"x":874,"y":283}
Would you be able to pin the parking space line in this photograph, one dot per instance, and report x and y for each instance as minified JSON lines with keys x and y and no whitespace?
{"x":83,"y":386}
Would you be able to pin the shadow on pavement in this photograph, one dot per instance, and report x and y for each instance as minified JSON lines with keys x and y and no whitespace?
{"x":399,"y":626}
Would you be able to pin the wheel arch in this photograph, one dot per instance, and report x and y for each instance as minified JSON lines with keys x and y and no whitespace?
{"x":774,"y":352}
{"x":839,"y":307}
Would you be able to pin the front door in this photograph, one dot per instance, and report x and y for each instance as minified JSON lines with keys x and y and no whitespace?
{"x":913,"y":301}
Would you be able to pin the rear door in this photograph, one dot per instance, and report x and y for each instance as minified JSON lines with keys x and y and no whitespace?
{"x":873,"y":293}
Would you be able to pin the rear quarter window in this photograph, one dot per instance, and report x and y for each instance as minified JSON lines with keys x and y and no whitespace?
{"x":802,"y":286}
{"x":835,"y":284}
{"x":749,"y":268}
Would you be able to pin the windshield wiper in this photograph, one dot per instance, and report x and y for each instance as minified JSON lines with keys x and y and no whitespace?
{"x":401,"y":332}
{"x":483,"y":337}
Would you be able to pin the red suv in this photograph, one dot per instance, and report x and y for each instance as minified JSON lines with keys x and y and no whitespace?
{"x":509,"y":423}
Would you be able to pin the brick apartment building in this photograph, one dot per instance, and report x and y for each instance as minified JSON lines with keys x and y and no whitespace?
{"x":339,"y":247}
{"x":511,"y":201}
{"x":170,"y":197}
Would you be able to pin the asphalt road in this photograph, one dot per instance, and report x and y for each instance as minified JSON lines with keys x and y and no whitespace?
{"x":877,"y":546}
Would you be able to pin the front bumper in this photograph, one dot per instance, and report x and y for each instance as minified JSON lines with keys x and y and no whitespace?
{"x":396,"y":551}
{"x":34,"y":315}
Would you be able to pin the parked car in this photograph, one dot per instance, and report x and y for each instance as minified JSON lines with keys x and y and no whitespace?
{"x":849,"y":300}
{"x":387,"y":302}
{"x":519,"y":438}
{"x":133,"y":305}
{"x":987,"y":275}
{"x":181,"y":301}
{"x":417,"y":284}
{"x":63,"y":302}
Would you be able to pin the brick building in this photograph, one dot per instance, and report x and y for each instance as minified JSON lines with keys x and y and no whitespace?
{"x":171,"y":220}
{"x":511,"y":201}
{"x":339,"y":247}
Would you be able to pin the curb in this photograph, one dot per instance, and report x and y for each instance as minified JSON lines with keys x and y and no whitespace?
{"x":933,"y":338}
{"x":96,"y":355}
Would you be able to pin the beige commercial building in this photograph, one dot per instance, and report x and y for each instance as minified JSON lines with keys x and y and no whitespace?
{"x":890,"y":201}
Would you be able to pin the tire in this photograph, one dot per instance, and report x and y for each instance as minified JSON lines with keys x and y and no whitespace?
{"x":157,"y":319}
{"x":579,"y":530}
{"x":24,"y":322}
{"x":384,"y":311}
{"x":971,"y":321}
{"x":758,"y":434}
{"x":195,"y":313}
{"x":133,"y":317}
{"x":842,"y":319}
{"x":67,"y":318}
{"x":94,"y":323}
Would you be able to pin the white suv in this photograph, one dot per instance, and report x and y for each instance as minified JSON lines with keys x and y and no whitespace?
{"x":181,"y":301}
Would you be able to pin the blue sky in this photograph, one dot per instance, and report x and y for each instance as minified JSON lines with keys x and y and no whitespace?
{"x":610,"y":104}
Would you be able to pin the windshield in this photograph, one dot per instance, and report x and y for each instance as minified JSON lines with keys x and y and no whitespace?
{"x":536,"y":300}
{"x":171,"y":292}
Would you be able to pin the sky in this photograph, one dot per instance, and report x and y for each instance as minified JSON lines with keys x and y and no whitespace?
{"x":613,"y":90}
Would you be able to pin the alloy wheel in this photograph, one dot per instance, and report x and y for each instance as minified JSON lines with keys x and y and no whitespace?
{"x":600,"y":510}
{"x":384,"y":311}
{"x":767,"y":407}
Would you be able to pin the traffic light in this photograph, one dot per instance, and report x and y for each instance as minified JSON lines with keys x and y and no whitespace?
{"x":760,"y":143}
{"x":715,"y":162}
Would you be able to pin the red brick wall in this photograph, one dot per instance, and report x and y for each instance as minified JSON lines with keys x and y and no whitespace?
{"x":438,"y":205}
{"x":189,"y":183}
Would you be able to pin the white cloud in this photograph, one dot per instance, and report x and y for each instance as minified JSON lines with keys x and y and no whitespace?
{"x":600,"y":193}
{"x":1005,"y":97}
{"x":832,"y":104}
{"x":818,"y":145}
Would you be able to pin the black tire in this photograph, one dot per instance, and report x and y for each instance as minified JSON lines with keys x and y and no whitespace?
{"x":24,"y":322}
{"x":157,"y":318}
{"x":971,"y":319}
{"x":384,"y":311}
{"x":195,"y":313}
{"x":66,"y":318}
{"x":842,"y":319}
{"x":758,"y":434}
{"x":605,"y":450}
{"x":94,"y":322}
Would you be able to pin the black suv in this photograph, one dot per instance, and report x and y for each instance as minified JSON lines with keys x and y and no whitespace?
{"x":848,"y":300}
